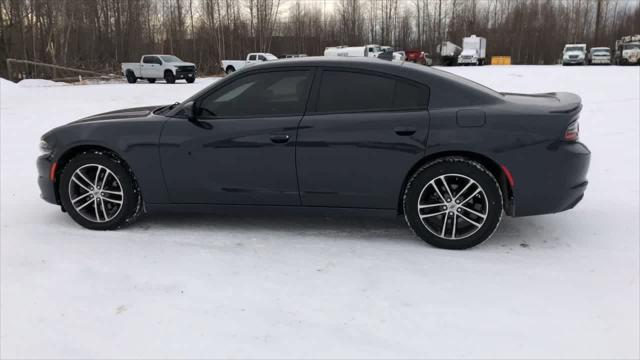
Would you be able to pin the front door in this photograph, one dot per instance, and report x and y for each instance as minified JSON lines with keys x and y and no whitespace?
{"x":151,"y":67}
{"x":242,"y":148}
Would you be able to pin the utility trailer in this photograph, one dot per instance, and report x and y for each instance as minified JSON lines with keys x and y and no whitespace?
{"x":449,"y":53}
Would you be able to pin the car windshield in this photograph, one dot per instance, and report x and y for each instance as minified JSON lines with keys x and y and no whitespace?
{"x":631,"y":46}
{"x":170,"y":59}
{"x":574,"y":48}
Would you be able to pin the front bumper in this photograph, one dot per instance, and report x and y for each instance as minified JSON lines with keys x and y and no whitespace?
{"x":550,"y":178}
{"x":47,"y":187}
{"x":467,"y":61}
{"x":573,"y":61}
{"x":182,"y":74}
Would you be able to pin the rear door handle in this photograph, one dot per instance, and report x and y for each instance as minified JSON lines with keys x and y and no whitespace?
{"x":405,"y":131}
{"x":280,"y":138}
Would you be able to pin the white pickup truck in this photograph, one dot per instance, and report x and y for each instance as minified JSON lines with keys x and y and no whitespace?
{"x":153,"y":67}
{"x":230,"y":66}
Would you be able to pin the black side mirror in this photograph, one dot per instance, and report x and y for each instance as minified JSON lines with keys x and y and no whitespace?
{"x":190,"y":110}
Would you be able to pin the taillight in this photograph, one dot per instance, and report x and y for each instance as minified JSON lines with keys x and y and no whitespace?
{"x":572,"y":132}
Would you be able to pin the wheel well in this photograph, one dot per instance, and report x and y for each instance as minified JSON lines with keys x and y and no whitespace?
{"x":488,"y":163}
{"x":168,"y":70}
{"x":64,"y":159}
{"x":230,"y":67}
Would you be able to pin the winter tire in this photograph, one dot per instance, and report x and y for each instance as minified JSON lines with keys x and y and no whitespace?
{"x":453,"y":203}
{"x":230,"y":70}
{"x":131,"y":77}
{"x":99,"y":192}
{"x":191,"y":80}
{"x":169,"y":77}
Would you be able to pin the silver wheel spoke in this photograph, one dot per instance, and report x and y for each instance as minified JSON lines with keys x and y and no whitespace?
{"x":111,"y":200}
{"x":434,"y":214}
{"x":85,"y":204}
{"x":471,"y":182}
{"x":95,"y":182}
{"x":469,"y":220}
{"x":432,"y":183}
{"x":473,"y":212}
{"x":104,"y":211}
{"x":79,"y":183}
{"x":83,"y":177}
{"x":444,"y":224}
{"x":470,"y":196}
{"x":80,"y":197}
{"x":430,"y":206}
{"x":95,"y":207}
{"x":455,"y":219}
{"x":112,"y":192}
{"x":446,"y":186}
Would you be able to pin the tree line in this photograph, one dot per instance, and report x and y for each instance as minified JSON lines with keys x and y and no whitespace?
{"x":100,"y":34}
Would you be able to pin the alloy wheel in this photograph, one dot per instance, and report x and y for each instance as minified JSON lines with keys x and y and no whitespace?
{"x":453,"y":206}
{"x":96,"y":193}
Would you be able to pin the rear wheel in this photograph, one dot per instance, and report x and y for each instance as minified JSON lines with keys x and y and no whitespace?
{"x":169,"y":77}
{"x":453,"y":203}
{"x":98,"y":192}
{"x":230,"y":70}
{"x":131,"y":77}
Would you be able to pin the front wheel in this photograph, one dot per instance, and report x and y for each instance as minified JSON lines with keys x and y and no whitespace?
{"x":191,"y":80}
{"x":169,"y":77}
{"x":98,"y":192}
{"x":453,"y":203}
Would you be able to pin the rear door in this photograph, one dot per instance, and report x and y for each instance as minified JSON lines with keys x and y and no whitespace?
{"x":360,"y":138}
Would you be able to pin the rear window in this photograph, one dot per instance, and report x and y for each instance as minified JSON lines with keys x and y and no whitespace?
{"x":343,"y":91}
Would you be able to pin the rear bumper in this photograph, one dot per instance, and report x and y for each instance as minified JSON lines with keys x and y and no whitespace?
{"x":556,"y":181}
{"x":47,"y":187}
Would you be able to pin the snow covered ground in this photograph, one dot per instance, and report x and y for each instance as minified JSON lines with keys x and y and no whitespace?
{"x":556,"y":286}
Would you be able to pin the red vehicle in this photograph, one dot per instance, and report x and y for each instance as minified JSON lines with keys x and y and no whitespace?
{"x":417,"y":56}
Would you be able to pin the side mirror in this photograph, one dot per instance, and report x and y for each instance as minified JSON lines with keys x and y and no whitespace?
{"x":190,"y":110}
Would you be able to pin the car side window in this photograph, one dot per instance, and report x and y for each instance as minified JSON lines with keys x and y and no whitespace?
{"x":407,"y":96}
{"x":252,"y":57}
{"x":157,"y":60}
{"x":147,"y":59}
{"x":343,"y":91}
{"x":262,"y":58}
{"x":260,"y":94}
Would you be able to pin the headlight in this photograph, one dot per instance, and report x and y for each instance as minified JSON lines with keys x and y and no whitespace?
{"x":45,"y":147}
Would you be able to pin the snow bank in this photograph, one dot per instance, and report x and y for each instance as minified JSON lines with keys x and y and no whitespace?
{"x":34,"y":83}
{"x":213,"y":286}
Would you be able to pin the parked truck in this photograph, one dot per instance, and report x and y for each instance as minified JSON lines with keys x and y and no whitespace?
{"x":627,"y":50}
{"x":372,"y":50}
{"x":153,"y":67}
{"x":231,"y":66}
{"x":574,"y":54}
{"x":474,"y":51}
{"x":599,"y":56}
{"x":449,"y":53}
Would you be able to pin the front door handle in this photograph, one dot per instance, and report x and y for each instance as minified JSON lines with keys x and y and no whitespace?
{"x":280,"y":138}
{"x":405,"y":131}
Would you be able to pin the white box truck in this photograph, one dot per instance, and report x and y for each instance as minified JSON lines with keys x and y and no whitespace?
{"x":474,"y":51}
{"x":449,"y":53}
{"x":372,"y":50}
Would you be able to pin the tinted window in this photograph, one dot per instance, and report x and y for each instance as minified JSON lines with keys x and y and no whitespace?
{"x":252,"y":57}
{"x":262,"y":58}
{"x":147,"y":59}
{"x":346,"y":92}
{"x":269,"y":93}
{"x":409,"y":96}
